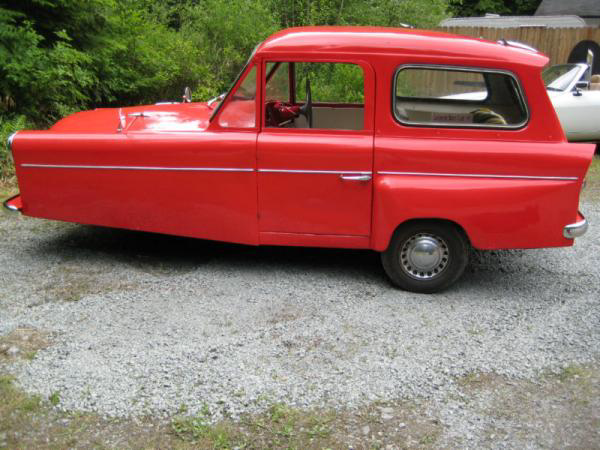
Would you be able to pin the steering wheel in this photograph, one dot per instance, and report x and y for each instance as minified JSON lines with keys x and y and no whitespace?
{"x":306,"y":109}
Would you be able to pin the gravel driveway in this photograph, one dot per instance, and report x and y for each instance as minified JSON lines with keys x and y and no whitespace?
{"x":143,"y":324}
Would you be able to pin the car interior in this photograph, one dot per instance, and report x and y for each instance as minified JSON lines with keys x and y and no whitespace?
{"x":314,"y":95}
{"x":458,"y":97}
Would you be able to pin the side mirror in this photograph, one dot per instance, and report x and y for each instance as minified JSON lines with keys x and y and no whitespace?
{"x":187,"y":95}
{"x":582,"y":85}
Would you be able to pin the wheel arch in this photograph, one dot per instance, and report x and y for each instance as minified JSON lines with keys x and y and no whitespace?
{"x":437,"y":220}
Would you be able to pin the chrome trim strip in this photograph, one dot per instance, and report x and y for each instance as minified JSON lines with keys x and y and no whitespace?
{"x":10,"y":139}
{"x":479,"y":175}
{"x":186,"y":169}
{"x":576,"y":229}
{"x":325,"y":172}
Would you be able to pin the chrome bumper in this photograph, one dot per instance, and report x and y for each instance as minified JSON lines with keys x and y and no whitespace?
{"x":13,"y":203}
{"x":576,"y":229}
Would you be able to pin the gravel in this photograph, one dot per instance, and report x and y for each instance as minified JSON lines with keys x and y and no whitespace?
{"x":144,"y":324}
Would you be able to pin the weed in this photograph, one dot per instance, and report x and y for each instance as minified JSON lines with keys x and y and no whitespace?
{"x":54,"y":399}
{"x":428,"y":439}
{"x":190,"y":428}
{"x":30,"y":356}
{"x":570,"y":372}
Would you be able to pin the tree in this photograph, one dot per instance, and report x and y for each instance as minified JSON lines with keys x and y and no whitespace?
{"x":469,"y":8}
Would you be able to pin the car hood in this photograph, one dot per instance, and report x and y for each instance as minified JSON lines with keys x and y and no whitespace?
{"x":146,"y":118}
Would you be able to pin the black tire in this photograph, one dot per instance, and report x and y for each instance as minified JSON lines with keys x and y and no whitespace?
{"x":426,"y":256}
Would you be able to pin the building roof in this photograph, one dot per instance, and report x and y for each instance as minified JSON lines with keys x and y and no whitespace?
{"x":381,"y":40}
{"x":582,"y":8}
{"x":496,"y":21}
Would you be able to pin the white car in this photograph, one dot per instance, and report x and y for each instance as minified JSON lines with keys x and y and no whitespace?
{"x":576,"y":99}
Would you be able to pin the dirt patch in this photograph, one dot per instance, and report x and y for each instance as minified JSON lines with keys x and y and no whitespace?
{"x":23,"y":343}
{"x":70,"y":283}
{"x":561,"y":410}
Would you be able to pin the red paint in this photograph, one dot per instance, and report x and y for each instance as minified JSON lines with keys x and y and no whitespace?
{"x":254,"y":206}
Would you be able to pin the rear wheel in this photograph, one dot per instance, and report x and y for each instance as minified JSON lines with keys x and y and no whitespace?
{"x":426,"y":256}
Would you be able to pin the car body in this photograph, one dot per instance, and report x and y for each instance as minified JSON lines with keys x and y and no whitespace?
{"x":576,"y":99}
{"x":417,"y":177}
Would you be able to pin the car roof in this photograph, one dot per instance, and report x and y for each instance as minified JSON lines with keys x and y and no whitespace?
{"x":382,"y":40}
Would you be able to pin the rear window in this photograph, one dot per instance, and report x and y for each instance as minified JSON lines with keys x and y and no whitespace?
{"x":458,"y":97}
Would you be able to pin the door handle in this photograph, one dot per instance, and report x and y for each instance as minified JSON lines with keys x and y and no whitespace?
{"x":355,"y":177}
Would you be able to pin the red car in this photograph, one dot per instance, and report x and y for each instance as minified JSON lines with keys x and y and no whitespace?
{"x":412,"y":143}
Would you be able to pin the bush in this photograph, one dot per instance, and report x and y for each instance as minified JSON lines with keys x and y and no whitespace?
{"x":8,"y":127}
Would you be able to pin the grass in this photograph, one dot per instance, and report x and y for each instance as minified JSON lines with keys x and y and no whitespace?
{"x":559,"y":408}
{"x":573,"y":372}
{"x":32,"y":422}
{"x":279,"y":427}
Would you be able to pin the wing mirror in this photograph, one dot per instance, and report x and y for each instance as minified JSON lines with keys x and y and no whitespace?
{"x":578,"y":86}
{"x":187,"y":95}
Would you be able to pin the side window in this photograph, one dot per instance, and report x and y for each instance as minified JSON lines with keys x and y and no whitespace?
{"x":278,"y":82}
{"x":321,"y":95}
{"x":453,"y":97}
{"x":331,"y":82}
{"x":240,"y":112}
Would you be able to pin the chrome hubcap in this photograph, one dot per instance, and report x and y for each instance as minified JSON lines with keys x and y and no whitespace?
{"x":424,"y":256}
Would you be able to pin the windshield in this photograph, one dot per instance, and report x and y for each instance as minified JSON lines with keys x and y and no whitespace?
{"x":559,"y":78}
{"x":222,"y":102}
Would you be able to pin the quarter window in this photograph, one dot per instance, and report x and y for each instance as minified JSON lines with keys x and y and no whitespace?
{"x":457,"y":97}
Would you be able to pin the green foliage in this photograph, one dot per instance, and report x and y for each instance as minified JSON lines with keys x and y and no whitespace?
{"x":61,"y":56}
{"x":54,"y":399}
{"x":390,"y":13}
{"x":8,"y":127}
{"x":225,"y":33}
{"x":469,"y":8}
{"x":330,"y":83}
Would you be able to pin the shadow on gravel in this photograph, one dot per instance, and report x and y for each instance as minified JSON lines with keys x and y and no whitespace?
{"x":165,"y":255}
{"x":148,"y":251}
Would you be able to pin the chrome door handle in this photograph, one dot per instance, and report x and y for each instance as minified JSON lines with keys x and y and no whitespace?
{"x":355,"y":177}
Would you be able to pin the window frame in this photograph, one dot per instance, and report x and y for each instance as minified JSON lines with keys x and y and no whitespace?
{"x":521,"y":98}
{"x":368,"y":106}
{"x":369,"y":89}
{"x":227,"y":100}
{"x":271,"y":73}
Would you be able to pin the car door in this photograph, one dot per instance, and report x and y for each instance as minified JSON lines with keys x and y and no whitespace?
{"x":315,"y":184}
{"x":578,"y":114}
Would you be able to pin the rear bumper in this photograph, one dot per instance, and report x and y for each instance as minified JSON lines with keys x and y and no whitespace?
{"x":14,"y":203}
{"x":576,"y":229}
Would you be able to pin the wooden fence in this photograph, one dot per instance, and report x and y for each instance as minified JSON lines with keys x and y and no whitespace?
{"x":556,"y":43}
